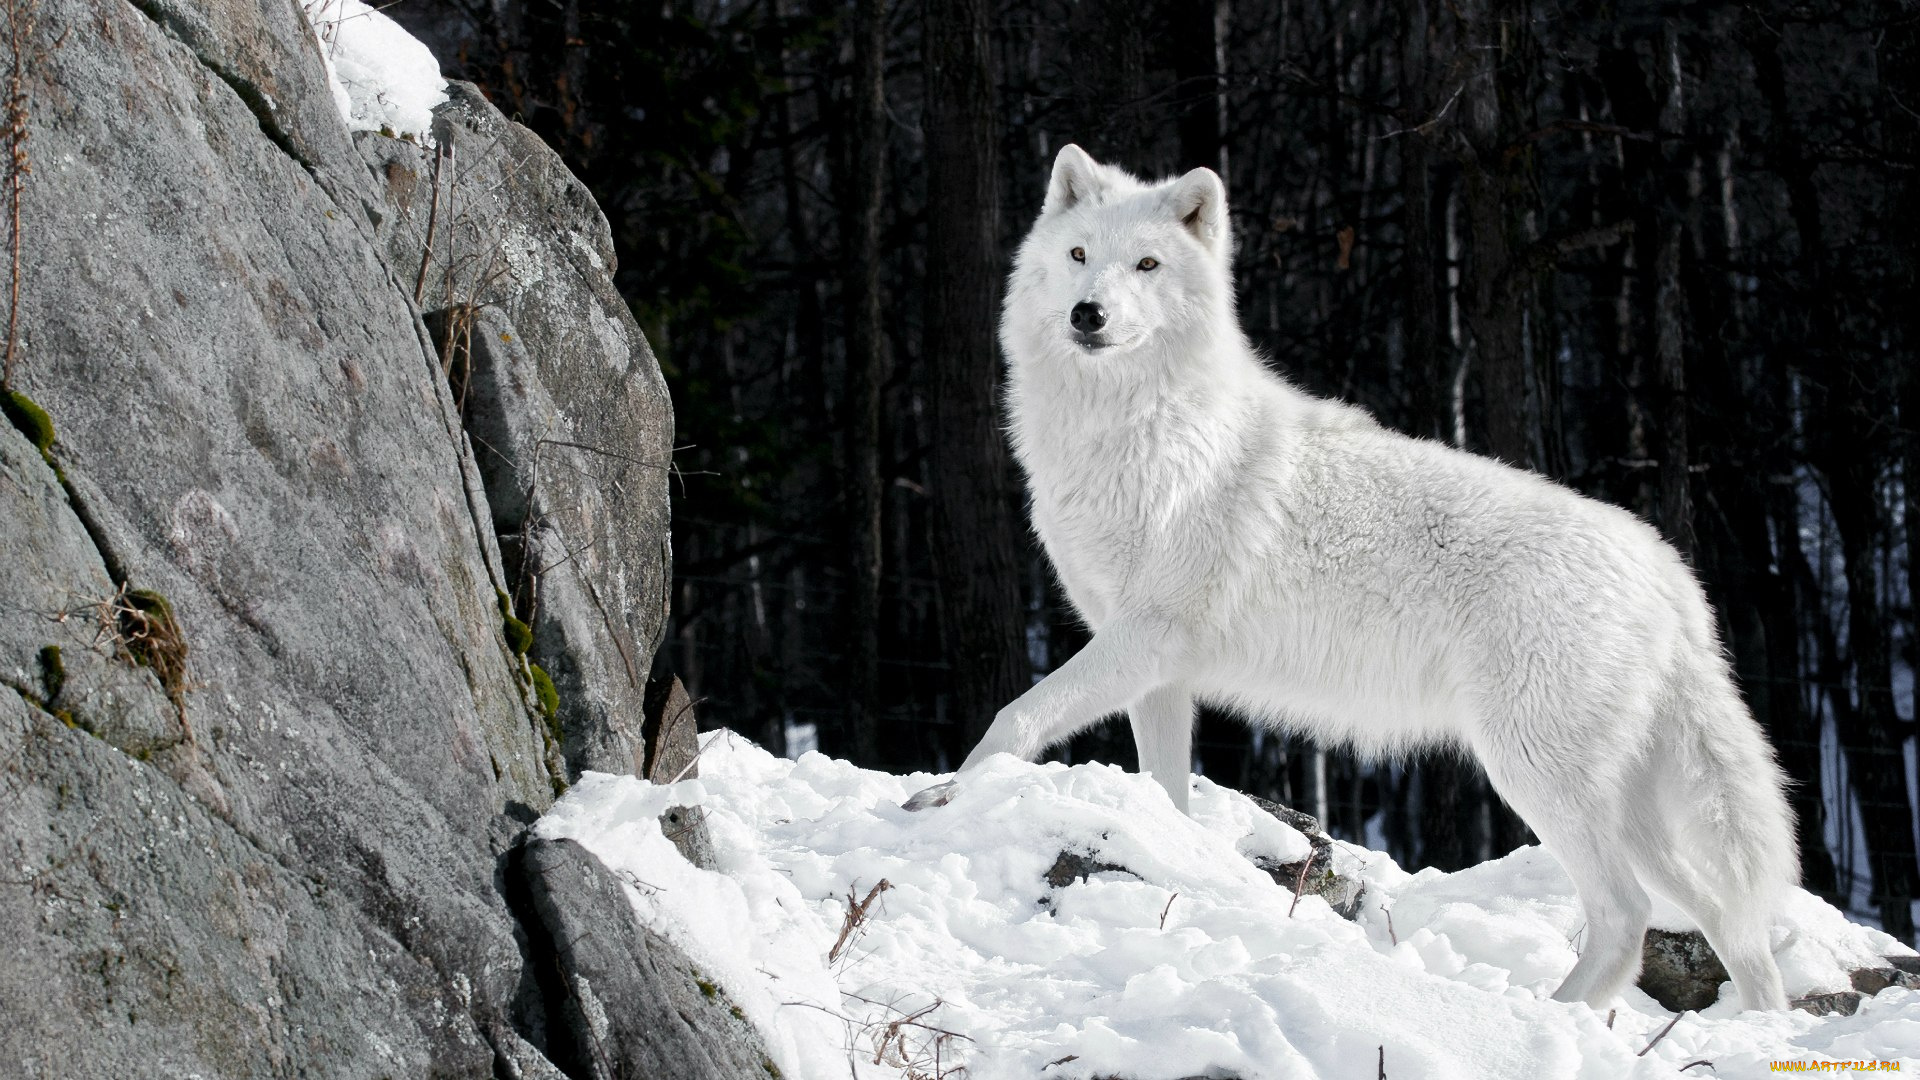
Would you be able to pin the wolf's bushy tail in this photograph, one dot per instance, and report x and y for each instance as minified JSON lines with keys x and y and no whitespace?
{"x":1731,"y":813}
{"x":1721,"y":839}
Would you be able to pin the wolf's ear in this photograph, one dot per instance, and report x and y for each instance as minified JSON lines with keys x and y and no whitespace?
{"x":1075,"y":179}
{"x":1199,"y":201}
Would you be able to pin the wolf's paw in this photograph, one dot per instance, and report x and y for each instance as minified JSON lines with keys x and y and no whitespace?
{"x":937,"y":795}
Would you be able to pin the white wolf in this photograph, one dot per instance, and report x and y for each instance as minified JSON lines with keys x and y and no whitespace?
{"x":1231,"y":539}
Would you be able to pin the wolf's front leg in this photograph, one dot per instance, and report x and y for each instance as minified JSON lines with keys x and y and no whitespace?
{"x":1163,"y":734}
{"x":1125,"y":659}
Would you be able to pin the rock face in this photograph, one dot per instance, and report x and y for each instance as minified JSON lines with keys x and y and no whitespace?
{"x":605,"y":962}
{"x":567,"y":413}
{"x":277,"y":842}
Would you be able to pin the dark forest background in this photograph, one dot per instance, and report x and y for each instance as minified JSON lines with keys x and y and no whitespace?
{"x":1662,"y":253}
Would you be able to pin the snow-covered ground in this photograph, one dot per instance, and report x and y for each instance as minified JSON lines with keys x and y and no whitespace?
{"x":1194,"y":967}
{"x":383,"y":78}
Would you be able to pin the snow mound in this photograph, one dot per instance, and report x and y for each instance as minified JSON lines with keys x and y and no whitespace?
{"x":382,"y":78}
{"x":1186,"y":963}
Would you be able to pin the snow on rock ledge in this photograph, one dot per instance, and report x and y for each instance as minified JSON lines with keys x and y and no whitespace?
{"x":382,"y":78}
{"x":1185,"y":964}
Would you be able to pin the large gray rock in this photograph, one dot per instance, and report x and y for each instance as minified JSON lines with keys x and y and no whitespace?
{"x":629,"y":1002}
{"x":147,"y":937}
{"x":286,"y":857}
{"x":562,"y":397}
{"x":268,"y":57}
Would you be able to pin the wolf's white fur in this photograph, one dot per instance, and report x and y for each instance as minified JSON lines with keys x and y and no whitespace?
{"x":1234,"y":540}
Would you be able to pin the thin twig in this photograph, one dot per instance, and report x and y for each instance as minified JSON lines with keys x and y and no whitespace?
{"x":1430,"y":122}
{"x":616,"y":455}
{"x":20,"y":25}
{"x":565,"y":559}
{"x":669,"y":724}
{"x":1164,"y":910}
{"x":1300,"y":886}
{"x":909,"y":1019}
{"x":1585,"y":127}
{"x":688,"y":767}
{"x":453,"y":188}
{"x":433,"y":221}
{"x":1662,"y":1035}
{"x":617,"y":633}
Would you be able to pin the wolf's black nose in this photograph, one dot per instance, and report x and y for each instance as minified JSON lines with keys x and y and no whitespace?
{"x":1087,"y":317}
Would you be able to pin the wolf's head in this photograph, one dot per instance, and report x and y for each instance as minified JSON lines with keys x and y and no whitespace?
{"x":1115,"y":266}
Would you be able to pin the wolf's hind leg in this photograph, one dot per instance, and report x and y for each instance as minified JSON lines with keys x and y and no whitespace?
{"x":1738,"y":929}
{"x":1163,"y":733}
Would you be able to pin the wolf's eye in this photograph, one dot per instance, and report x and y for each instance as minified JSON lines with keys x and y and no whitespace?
{"x":1149,"y":263}
{"x":1079,"y":254}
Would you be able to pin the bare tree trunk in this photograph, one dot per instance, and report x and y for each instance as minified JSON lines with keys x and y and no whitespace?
{"x":1110,"y":113}
{"x":1676,"y":497}
{"x":1899,"y":56}
{"x":1872,"y":738}
{"x":1500,"y":206}
{"x":970,"y":481}
{"x":1796,"y":730}
{"x":1669,"y":336}
{"x":1199,"y":47}
{"x":1900,"y":77}
{"x":866,"y":373}
{"x":1428,"y":351}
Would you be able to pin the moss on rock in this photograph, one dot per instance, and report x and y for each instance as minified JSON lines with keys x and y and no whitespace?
{"x":519,"y":635}
{"x":29,"y":418}
{"x":545,"y":692}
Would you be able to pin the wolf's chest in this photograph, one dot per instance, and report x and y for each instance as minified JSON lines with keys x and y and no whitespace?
{"x":1114,"y":525}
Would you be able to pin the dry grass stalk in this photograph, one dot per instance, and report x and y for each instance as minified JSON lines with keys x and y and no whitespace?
{"x":456,"y":353}
{"x":919,"y":1049}
{"x":856,"y":918}
{"x":138,"y":625}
